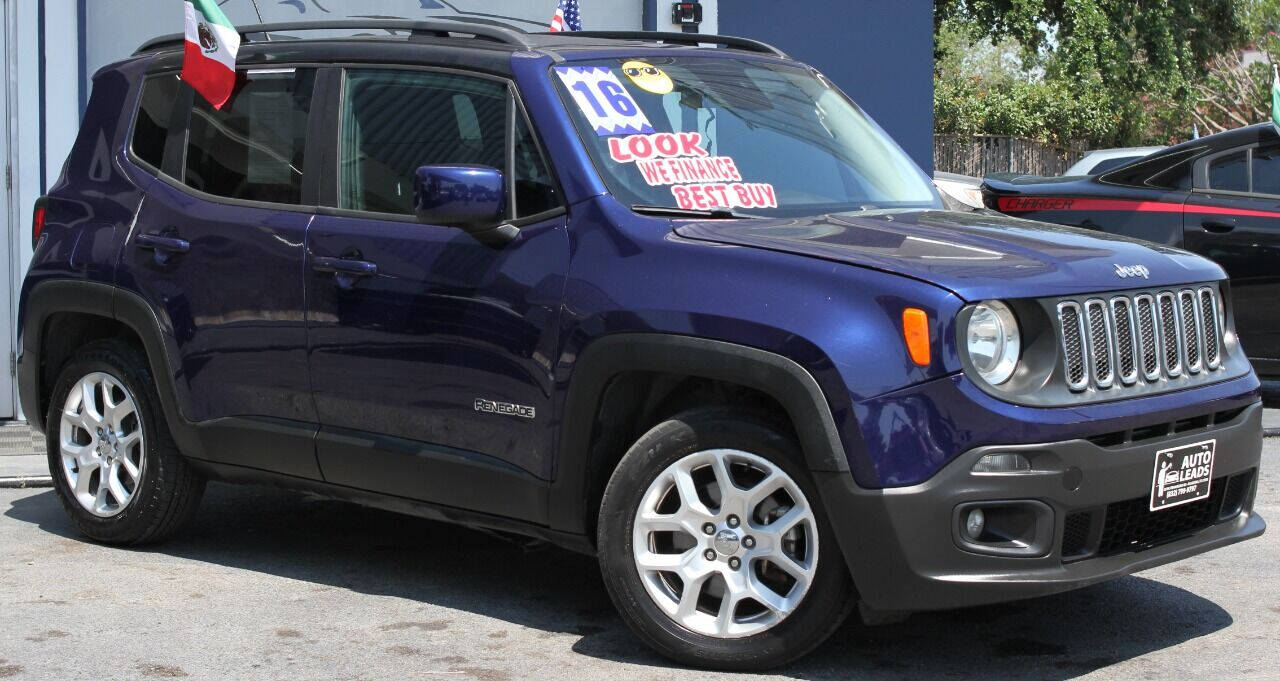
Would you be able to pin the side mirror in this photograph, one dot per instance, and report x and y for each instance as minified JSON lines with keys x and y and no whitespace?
{"x":472,"y":198}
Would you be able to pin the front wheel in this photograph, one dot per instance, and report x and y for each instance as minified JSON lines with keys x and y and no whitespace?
{"x":714,"y":548}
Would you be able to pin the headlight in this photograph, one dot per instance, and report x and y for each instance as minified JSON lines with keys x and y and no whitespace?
{"x":993,"y":341}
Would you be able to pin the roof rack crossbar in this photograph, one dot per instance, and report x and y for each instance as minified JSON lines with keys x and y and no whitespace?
{"x":433,"y":27}
{"x":681,"y":39}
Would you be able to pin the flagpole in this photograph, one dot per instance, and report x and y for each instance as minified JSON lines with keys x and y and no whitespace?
{"x":259,"y":13}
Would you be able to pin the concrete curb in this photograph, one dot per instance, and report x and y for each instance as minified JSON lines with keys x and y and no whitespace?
{"x":26,"y":481}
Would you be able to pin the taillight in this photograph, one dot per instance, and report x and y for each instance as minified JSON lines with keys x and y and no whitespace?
{"x":37,"y":220}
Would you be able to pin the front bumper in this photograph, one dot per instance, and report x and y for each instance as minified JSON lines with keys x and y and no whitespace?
{"x":905,"y":553}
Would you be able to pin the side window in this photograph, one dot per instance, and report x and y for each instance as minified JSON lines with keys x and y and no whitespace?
{"x":535,"y":190}
{"x":155,"y":113}
{"x":253,"y":148}
{"x":1266,"y":170}
{"x":395,"y":121}
{"x":1230,"y":172}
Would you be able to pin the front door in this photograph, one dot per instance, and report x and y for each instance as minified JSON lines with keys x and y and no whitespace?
{"x":217,"y":251}
{"x":1233,"y":218}
{"x":431,"y":352}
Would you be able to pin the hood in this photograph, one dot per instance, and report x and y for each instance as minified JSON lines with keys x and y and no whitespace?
{"x":974,"y":255}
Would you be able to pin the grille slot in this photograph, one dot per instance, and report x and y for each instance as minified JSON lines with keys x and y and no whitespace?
{"x":1171,"y":334}
{"x":1122,"y":322}
{"x":1148,"y":337}
{"x":1190,"y":312}
{"x":1145,"y":308}
{"x":1100,"y":349}
{"x":1212,"y":327}
{"x":1072,"y":325}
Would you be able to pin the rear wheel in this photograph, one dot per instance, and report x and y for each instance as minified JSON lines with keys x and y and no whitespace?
{"x":115,"y":467}
{"x":713,"y":547}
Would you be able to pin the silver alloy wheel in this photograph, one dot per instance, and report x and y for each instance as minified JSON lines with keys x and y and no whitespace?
{"x":101,"y":444}
{"x":725,"y":543}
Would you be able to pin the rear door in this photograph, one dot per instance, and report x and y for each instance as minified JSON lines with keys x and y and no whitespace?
{"x":217,"y":251}
{"x":408,"y":354}
{"x":1233,"y":218}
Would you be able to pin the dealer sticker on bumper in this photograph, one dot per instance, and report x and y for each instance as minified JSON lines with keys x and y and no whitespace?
{"x":1182,"y":475}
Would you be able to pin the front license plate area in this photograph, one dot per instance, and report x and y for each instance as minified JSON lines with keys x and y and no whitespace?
{"x":1182,"y":475}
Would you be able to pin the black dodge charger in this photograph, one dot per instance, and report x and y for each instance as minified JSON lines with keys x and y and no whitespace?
{"x":1218,"y":196}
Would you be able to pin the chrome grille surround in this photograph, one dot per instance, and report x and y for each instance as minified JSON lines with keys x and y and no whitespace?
{"x":1144,"y":338}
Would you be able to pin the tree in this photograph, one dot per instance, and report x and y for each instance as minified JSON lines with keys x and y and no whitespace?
{"x":1236,"y":89}
{"x":1131,"y":65}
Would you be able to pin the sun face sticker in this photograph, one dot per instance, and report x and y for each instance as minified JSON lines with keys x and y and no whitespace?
{"x":648,"y":77}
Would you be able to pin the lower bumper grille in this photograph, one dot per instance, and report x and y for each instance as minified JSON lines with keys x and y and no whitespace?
{"x":1131,"y":525}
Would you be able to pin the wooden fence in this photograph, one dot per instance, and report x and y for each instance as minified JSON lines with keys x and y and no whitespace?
{"x":981,"y":155}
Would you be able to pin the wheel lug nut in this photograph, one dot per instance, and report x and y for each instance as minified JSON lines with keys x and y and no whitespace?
{"x":749,"y":542}
{"x":709,"y":554}
{"x":734,"y":563}
{"x":709,"y":528}
{"x":733,"y":521}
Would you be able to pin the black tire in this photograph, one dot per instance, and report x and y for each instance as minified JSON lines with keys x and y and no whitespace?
{"x":821,"y":612}
{"x":169,"y":491}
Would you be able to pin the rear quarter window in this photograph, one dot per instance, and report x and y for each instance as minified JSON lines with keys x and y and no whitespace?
{"x":155,"y":116}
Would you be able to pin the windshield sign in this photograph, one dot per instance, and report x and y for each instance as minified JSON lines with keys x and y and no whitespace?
{"x":708,"y":134}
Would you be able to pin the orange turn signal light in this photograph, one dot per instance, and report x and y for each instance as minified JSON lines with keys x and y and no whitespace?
{"x":915,"y":331}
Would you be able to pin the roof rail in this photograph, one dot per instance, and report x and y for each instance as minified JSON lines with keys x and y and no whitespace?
{"x":680,"y":39}
{"x":428,"y":27}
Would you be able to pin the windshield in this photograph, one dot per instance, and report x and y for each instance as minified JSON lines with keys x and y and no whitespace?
{"x":758,"y":138}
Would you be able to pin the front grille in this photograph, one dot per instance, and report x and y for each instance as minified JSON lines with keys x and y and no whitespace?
{"x":1131,"y":525}
{"x":1234,"y":497}
{"x":1147,"y":337}
{"x":1075,"y":534}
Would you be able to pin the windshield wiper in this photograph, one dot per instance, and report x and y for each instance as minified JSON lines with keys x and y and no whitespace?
{"x":713,"y":214}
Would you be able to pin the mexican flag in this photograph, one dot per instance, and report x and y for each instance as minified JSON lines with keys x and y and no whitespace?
{"x":1275,"y":96}
{"x":209,"y":65}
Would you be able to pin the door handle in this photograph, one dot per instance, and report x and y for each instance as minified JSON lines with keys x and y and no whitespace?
{"x":156,"y":242}
{"x":352,"y":268}
{"x":1218,"y":225}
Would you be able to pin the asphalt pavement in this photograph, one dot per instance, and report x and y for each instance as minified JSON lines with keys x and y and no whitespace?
{"x":271,"y":584}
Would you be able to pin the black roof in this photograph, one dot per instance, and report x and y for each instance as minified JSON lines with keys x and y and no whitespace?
{"x":1145,"y":170}
{"x":477,"y":32}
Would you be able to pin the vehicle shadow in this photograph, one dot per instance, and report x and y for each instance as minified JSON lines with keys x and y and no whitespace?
{"x":342,"y":545}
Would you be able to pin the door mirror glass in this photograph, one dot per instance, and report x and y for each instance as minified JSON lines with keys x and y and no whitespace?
{"x":466,"y":196}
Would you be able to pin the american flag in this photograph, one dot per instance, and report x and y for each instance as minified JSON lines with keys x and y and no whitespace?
{"x":567,"y":17}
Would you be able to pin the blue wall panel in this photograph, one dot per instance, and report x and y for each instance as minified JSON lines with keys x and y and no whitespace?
{"x":880,"y":53}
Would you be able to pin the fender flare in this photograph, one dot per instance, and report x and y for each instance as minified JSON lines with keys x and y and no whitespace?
{"x":773,"y":374}
{"x":110,"y":302}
